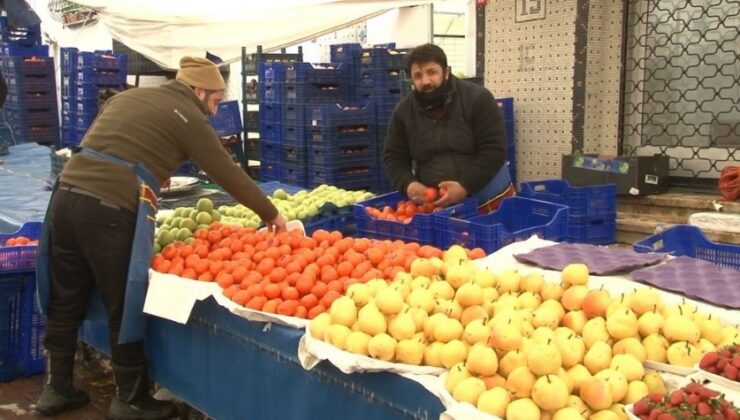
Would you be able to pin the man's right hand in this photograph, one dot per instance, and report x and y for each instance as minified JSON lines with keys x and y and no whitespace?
{"x":415,"y":192}
{"x":277,"y":225}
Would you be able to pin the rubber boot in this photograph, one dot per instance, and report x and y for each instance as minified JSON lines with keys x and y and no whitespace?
{"x":59,"y":394}
{"x":132,"y":400}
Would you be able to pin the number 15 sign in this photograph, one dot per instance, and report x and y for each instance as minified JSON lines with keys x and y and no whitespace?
{"x":528,"y":10}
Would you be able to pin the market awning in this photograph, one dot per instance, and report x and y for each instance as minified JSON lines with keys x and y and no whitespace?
{"x":166,"y":30}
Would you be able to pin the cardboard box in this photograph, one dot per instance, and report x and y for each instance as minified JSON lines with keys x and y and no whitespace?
{"x":633,"y":175}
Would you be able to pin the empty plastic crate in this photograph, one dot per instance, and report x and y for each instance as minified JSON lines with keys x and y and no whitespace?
{"x":269,"y":170}
{"x":227,"y":120}
{"x":690,"y":241}
{"x":270,"y":130}
{"x":516,"y":219}
{"x":272,"y":92}
{"x":271,"y":72}
{"x":293,"y":174}
{"x":271,"y":150}
{"x":10,"y":308}
{"x":84,"y":121}
{"x":11,"y":49}
{"x":69,"y":86}
{"x":19,"y":258}
{"x":87,"y":106}
{"x":294,"y":114}
{"x":271,"y":112}
{"x":295,"y":154}
{"x":294,"y":134}
{"x":582,"y":201}
{"x":68,"y":61}
{"x":600,"y":229}
{"x":87,"y":91}
{"x":24,"y":35}
{"x":338,"y":115}
{"x":71,"y":136}
{"x":381,"y":79}
{"x":420,"y":229}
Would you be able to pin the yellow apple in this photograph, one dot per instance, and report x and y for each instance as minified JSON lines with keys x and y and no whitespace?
{"x":574,"y":275}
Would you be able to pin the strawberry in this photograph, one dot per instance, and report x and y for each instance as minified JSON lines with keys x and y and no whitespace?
{"x":722,"y":362}
{"x":677,"y":397}
{"x":731,"y":414}
{"x":736,"y":361}
{"x":654,"y":413}
{"x":709,"y":359}
{"x":656,"y":398}
{"x":703,"y":409}
{"x":730,"y":372}
{"x":666,"y":416}
{"x":725,"y":353}
{"x":641,"y":407}
{"x":693,"y":399}
{"x":692,"y":387}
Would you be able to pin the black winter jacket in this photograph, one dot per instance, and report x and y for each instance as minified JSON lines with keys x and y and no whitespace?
{"x":466,"y":144}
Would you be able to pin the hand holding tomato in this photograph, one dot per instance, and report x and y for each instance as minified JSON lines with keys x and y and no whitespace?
{"x":416,"y":192}
{"x":451,"y":193}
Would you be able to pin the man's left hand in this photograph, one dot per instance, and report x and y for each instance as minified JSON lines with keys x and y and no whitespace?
{"x":452,"y":193}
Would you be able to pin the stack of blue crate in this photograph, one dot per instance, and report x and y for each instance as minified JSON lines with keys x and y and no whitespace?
{"x":506,"y":105}
{"x":381,"y":79}
{"x":30,"y":109}
{"x":287,"y":91}
{"x":83,"y":76}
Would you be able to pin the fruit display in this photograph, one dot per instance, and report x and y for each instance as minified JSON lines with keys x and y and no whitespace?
{"x":724,"y":362}
{"x":323,"y":200}
{"x":287,"y":273}
{"x":434,"y":314}
{"x":693,"y":401}
{"x":19,"y":241}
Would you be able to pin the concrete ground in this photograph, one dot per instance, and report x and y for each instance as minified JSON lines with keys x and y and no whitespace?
{"x":92,"y":373}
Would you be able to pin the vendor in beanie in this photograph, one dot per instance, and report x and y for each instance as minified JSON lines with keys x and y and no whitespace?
{"x":99,"y":226}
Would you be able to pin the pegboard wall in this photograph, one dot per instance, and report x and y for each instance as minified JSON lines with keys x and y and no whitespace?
{"x":545,"y":53}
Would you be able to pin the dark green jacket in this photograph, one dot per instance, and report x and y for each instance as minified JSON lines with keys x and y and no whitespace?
{"x":467,"y":144}
{"x":160,"y":127}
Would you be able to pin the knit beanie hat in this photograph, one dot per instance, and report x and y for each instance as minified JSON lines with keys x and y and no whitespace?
{"x":200,"y":72}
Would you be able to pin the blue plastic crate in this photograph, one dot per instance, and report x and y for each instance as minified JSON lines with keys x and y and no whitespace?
{"x":421,"y":227}
{"x":331,"y":115}
{"x":582,"y":201}
{"x":271,"y":92}
{"x":19,"y":258}
{"x":516,"y":219}
{"x":600,"y":229}
{"x":87,"y":106}
{"x":24,"y":35}
{"x":296,"y":155}
{"x":382,"y":79}
{"x":352,"y":183}
{"x":84,"y":121}
{"x":345,"y":53}
{"x":101,"y":78}
{"x":188,"y":168}
{"x":11,"y":286}
{"x":310,"y":93}
{"x":42,"y":134}
{"x":25,"y":66}
{"x":32,"y":83}
{"x":270,"y":150}
{"x":32,"y":326}
{"x":295,"y":135}
{"x":271,"y":112}
{"x":294,"y":114}
{"x":271,"y":72}
{"x":364,"y":171}
{"x":69,"y":87}
{"x":506,"y":105}
{"x":690,"y":241}
{"x":106,"y":60}
{"x":293,"y":174}
{"x":11,"y":49}
{"x":364,"y":133}
{"x":269,"y":170}
{"x":22,"y":117}
{"x":270,"y":131}
{"x":335,"y":155}
{"x":87,"y":91}
{"x":228,"y":120}
{"x":85,"y":60}
{"x":320,"y":73}
{"x":33,"y":100}
{"x":384,"y":58}
{"x":68,"y":61}
{"x":71,"y":136}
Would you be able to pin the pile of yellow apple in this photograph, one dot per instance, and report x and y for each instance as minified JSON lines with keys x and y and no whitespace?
{"x":519,"y":347}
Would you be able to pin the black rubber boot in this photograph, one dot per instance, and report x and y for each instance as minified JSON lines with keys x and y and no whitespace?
{"x":132,"y":400}
{"x":59,"y":394}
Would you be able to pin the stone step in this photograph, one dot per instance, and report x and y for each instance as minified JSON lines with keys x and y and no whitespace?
{"x":633,"y":227}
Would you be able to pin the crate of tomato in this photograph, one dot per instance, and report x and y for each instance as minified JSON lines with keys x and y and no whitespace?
{"x":18,"y":250}
{"x":394,"y":216}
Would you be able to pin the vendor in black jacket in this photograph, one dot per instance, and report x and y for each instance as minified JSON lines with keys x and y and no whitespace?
{"x":449,"y":133}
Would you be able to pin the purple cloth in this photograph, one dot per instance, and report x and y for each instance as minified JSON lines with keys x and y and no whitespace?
{"x":599,"y":259}
{"x":695,"y":278}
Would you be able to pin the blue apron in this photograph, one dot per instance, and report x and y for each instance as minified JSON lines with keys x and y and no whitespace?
{"x":498,"y":184}
{"x":133,"y":322}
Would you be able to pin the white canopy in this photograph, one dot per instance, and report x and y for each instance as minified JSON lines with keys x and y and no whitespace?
{"x":165,"y":30}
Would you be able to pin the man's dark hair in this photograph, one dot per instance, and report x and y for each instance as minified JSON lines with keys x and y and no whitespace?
{"x":424,"y":54}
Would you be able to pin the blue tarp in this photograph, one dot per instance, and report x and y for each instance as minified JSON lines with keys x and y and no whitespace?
{"x":24,"y":185}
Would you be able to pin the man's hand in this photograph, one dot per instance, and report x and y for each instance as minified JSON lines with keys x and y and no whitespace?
{"x":415,"y":192}
{"x":277,"y":224}
{"x":452,"y":193}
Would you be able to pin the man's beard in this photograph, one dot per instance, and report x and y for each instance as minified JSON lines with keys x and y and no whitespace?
{"x":435,"y":98}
